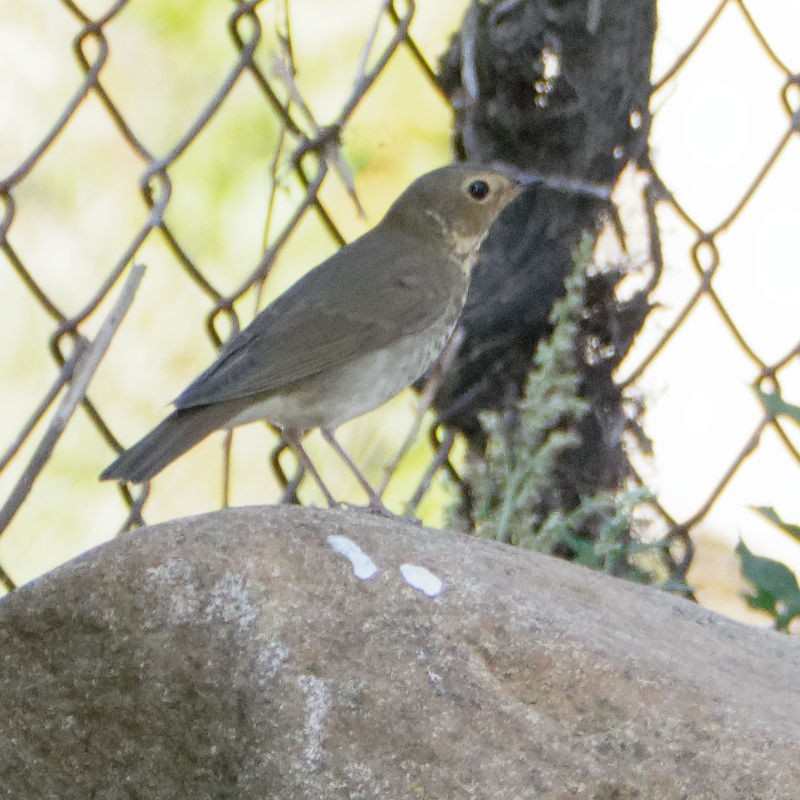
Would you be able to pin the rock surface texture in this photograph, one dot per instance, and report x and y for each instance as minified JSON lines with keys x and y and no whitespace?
{"x":288,"y":653}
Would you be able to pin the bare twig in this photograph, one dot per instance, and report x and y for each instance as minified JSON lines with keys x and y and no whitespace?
{"x":64,"y":376}
{"x":84,"y":369}
{"x":6,"y":580}
{"x":439,"y":460}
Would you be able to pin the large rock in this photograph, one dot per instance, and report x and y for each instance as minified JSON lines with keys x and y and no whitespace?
{"x":246,"y":654}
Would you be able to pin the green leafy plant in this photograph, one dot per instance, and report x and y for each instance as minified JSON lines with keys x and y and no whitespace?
{"x":514,"y":477}
{"x":775,"y":589}
{"x":777,"y":406}
{"x":516,"y":496}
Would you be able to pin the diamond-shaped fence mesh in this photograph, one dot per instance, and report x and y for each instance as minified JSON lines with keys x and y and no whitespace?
{"x":227,"y":148}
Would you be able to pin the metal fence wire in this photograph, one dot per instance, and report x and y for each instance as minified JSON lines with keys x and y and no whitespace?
{"x":78,"y":318}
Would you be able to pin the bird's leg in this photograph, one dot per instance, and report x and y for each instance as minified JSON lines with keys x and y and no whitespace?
{"x":293,"y":440}
{"x":289,"y":495}
{"x":375,"y":502}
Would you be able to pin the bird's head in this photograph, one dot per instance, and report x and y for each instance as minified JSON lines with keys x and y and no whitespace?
{"x":458,"y":203}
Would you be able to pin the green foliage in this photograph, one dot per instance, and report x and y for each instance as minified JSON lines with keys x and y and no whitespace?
{"x":611,"y":516}
{"x":776,"y":405}
{"x":775,"y":588}
{"x":512,"y":480}
{"x":770,"y":514}
{"x":514,"y":493}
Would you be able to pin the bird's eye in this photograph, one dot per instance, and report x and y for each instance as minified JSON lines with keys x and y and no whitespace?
{"x":478,"y":190}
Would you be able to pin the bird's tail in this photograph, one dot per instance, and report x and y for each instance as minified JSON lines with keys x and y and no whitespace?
{"x":174,"y":436}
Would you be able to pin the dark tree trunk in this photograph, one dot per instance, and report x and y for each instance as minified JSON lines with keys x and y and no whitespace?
{"x":559,"y":89}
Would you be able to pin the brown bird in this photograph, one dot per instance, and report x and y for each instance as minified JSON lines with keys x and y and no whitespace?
{"x":350,"y":334}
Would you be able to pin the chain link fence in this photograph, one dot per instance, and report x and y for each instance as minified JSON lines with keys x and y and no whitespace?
{"x":293,"y":139}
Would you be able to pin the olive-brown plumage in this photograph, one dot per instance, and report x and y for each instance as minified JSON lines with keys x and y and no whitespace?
{"x":352,"y":332}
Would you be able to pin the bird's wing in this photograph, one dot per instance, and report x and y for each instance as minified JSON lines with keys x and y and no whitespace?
{"x":364,"y":297}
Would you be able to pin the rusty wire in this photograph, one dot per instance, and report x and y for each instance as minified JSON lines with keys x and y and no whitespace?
{"x":704,"y":259}
{"x":306,"y":151}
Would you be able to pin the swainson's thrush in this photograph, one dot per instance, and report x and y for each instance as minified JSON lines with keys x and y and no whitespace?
{"x":351,"y":333}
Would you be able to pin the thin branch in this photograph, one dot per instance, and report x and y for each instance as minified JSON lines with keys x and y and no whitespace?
{"x":87,"y":365}
{"x":64,"y":377}
{"x":6,"y":580}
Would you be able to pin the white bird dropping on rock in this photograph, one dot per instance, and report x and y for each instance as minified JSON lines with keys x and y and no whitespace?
{"x":363,"y":566}
{"x":422,"y":579}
